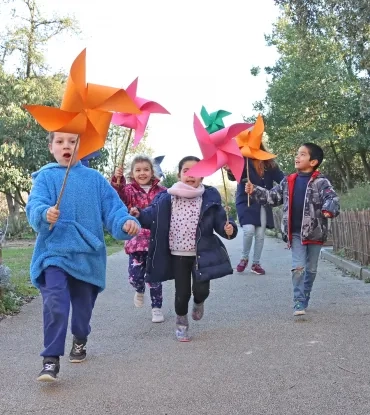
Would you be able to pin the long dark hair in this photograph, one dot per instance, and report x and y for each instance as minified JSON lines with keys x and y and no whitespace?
{"x":262,"y":165}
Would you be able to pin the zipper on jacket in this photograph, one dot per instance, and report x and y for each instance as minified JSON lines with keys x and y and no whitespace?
{"x":304,"y":207}
{"x":200,"y":235}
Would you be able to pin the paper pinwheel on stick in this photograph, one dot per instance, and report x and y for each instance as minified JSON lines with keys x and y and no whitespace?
{"x":213,"y":121}
{"x":86,"y":110}
{"x":249,"y":142}
{"x":86,"y":160}
{"x":218,"y":149}
{"x":134,"y":121}
{"x":157,"y":166}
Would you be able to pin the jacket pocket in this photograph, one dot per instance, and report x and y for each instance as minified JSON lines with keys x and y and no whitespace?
{"x":71,"y":237}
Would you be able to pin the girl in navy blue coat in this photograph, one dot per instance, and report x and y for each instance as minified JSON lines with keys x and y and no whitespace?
{"x":183,"y":246}
{"x":255,"y":218}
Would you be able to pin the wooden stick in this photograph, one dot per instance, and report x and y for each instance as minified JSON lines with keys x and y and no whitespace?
{"x":248,"y":180}
{"x":124,"y":153}
{"x":65,"y":178}
{"x":226,"y":199}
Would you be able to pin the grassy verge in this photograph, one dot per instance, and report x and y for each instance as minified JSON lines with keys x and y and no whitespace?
{"x":112,"y":244}
{"x":112,"y":249}
{"x":21,"y":290}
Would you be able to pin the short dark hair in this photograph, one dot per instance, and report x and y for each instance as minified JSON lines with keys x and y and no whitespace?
{"x":185,"y":159}
{"x":316,"y":153}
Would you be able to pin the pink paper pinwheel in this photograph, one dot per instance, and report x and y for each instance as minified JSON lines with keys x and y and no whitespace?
{"x":218,"y":149}
{"x":138,"y":122}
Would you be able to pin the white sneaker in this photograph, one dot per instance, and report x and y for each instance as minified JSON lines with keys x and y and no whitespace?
{"x":157,"y":315}
{"x":139,"y":299}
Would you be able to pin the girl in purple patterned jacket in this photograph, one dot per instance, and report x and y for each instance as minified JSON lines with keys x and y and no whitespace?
{"x":140,"y":192}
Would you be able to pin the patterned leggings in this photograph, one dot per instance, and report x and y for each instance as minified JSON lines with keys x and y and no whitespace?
{"x":136,"y":272}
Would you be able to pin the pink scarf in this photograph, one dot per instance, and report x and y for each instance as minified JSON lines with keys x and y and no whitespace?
{"x":184,"y":190}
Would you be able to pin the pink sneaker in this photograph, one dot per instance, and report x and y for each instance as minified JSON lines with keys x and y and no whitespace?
{"x":257,"y":269}
{"x":242,"y":265}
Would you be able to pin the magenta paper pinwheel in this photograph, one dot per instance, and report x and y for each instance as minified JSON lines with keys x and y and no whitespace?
{"x":139,"y":122}
{"x":218,"y":149}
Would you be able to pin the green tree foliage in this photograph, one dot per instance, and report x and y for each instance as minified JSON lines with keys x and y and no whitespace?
{"x":315,"y":93}
{"x":170,"y":179}
{"x":349,"y":21}
{"x":23,"y":144}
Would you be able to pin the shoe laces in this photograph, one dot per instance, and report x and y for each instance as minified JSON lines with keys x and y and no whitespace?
{"x":157,"y":312}
{"x":49,"y":366}
{"x":78,"y":348}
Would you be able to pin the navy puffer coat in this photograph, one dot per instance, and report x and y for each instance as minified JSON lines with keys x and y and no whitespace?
{"x":212,"y":259}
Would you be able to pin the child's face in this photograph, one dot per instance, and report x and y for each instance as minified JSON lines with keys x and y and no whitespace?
{"x":189,"y":180}
{"x":142,"y":173}
{"x":62,"y":148}
{"x":303,"y":162}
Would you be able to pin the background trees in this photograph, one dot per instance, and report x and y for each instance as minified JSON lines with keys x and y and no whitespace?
{"x":319,"y":87}
{"x":26,"y":78}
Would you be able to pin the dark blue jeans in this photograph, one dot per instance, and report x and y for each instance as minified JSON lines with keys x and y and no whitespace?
{"x":59,"y":291}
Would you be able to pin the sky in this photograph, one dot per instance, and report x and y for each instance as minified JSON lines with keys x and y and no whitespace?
{"x":186,"y":54}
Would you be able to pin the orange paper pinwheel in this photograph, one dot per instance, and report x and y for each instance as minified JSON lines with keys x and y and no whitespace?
{"x":249,"y":142}
{"x":85,"y":110}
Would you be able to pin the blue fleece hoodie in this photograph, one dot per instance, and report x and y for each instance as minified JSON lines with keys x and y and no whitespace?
{"x":76,"y":242}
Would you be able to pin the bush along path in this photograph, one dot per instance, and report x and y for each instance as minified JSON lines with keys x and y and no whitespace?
{"x":15,"y":285}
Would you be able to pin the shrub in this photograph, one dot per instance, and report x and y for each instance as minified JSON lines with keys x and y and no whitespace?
{"x":356,"y":198}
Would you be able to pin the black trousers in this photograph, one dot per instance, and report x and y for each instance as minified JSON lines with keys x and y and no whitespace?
{"x":182,"y":268}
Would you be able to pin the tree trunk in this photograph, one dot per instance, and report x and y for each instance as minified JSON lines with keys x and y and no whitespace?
{"x":31,"y":38}
{"x":13,"y":207}
{"x":365,"y":163}
{"x":347,"y":167}
{"x":341,"y":170}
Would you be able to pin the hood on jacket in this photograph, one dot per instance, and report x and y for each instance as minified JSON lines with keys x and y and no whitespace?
{"x":53,"y":166}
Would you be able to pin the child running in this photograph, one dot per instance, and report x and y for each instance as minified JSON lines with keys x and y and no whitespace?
{"x":183,"y":245}
{"x":140,"y":192}
{"x":309,"y":200}
{"x":68,"y":264}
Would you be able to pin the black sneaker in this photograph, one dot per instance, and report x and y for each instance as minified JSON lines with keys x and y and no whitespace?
{"x":78,"y":351}
{"x":50,"y":370}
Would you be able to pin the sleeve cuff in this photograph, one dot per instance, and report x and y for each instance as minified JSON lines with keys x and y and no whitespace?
{"x":329,"y":213}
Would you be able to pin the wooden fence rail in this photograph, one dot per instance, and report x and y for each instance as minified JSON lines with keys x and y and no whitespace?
{"x":351,"y":235}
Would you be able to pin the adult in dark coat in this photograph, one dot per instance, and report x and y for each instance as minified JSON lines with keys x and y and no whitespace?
{"x":254,"y":219}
